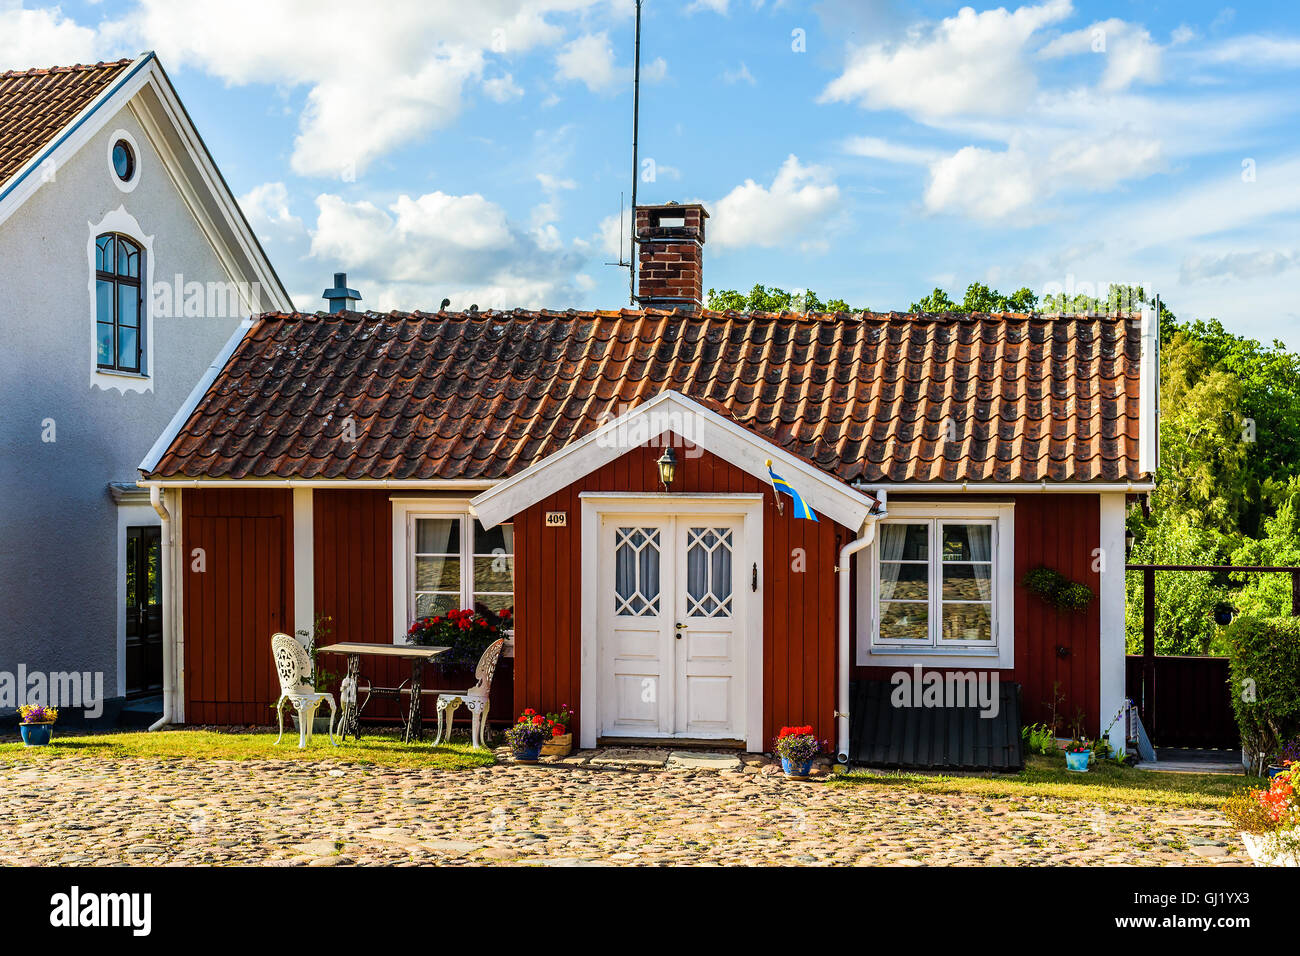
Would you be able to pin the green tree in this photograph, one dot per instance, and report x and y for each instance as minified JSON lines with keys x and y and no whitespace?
{"x":978,"y":298}
{"x":1269,"y":595}
{"x":1185,"y":600}
{"x":762,"y":299}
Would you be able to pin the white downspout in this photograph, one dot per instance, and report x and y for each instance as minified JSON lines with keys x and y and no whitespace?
{"x":846,"y":632}
{"x":169,"y":626}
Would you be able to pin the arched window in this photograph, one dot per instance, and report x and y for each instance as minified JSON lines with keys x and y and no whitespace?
{"x":119,"y":333}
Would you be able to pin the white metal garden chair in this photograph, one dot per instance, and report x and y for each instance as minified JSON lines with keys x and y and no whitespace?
{"x":476,"y":699}
{"x":294,"y":668}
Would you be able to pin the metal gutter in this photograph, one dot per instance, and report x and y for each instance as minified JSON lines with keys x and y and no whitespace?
{"x":397,"y":484}
{"x":1011,"y":487}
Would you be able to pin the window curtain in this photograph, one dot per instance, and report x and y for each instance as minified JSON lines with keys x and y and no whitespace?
{"x":892,"y":539}
{"x":980,"y":538}
{"x":508,"y":534}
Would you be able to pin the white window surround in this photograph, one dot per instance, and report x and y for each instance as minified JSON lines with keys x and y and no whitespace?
{"x":122,"y":222}
{"x":128,"y":185}
{"x":1001,"y":654}
{"x":405,"y":513}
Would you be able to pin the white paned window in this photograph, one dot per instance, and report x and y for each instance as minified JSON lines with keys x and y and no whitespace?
{"x":936,"y":582}
{"x":445,"y":559}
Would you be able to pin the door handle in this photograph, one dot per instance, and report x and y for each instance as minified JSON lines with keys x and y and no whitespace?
{"x":680,"y":628}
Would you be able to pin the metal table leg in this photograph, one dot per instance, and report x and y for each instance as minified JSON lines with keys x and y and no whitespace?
{"x":351,"y":712}
{"x":414,"y":726}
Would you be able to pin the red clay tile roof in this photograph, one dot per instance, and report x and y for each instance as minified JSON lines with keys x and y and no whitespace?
{"x":484,"y":395}
{"x":35,"y":106}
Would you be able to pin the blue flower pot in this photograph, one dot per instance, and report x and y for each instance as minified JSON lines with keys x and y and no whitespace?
{"x":36,"y":735}
{"x":796,"y":771}
{"x":1274,"y":771}
{"x":528,"y":754}
{"x":1078,"y":762}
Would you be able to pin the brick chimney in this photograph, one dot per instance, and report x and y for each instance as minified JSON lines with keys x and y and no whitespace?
{"x":670,"y":268}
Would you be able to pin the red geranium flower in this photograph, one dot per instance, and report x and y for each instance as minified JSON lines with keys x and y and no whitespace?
{"x":557,"y":730}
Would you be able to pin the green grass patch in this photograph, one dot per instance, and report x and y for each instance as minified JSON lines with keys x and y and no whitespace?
{"x":1046,"y":776}
{"x":379,"y":749}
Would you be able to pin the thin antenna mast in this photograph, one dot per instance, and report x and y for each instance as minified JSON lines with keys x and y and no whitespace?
{"x":636,"y":117}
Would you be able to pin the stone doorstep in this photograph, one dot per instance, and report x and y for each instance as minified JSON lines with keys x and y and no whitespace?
{"x":661,"y":758}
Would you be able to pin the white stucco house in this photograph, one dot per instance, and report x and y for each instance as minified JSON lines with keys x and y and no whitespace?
{"x":126,"y":268}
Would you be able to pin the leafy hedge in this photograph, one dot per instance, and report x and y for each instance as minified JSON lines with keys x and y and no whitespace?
{"x":1265,"y":653}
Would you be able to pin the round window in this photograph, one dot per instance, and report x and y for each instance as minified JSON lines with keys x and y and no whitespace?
{"x":123,"y":160}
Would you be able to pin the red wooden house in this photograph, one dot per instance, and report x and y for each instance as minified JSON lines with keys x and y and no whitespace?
{"x":378,"y":467}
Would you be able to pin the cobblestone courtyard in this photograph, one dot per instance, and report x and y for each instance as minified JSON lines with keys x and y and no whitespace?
{"x":251,"y":812}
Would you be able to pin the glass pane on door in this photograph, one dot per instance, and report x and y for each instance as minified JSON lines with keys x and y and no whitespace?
{"x":636,"y":571}
{"x":708,"y":572}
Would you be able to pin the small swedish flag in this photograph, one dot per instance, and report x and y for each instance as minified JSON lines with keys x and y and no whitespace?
{"x":781,"y":486}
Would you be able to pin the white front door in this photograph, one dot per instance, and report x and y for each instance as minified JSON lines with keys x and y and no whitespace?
{"x":671,"y":626}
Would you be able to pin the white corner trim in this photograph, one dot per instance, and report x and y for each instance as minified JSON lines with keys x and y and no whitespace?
{"x":129,"y":185}
{"x":1113,"y":678}
{"x":304,"y":561}
{"x":1000,"y":657}
{"x":120,"y":221}
{"x":670,"y":411}
{"x":1149,"y":395}
{"x":154,"y":455}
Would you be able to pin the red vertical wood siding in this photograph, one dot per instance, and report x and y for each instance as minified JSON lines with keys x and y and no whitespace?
{"x":243,"y":595}
{"x":799,"y":607}
{"x":1062,"y":532}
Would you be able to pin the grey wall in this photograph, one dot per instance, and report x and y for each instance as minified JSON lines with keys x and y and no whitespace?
{"x":58,"y":524}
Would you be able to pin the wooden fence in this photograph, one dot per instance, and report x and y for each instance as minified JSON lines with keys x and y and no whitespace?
{"x":1190,"y":701}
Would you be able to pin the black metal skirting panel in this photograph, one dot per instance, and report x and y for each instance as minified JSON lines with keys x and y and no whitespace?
{"x":933,"y":738}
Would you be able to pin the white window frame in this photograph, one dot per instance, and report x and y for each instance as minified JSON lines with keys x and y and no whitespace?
{"x":1000,"y":652}
{"x":406,"y":512}
{"x":122,"y":222}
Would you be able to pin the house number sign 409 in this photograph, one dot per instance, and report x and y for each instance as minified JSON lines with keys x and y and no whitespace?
{"x":557,"y":519}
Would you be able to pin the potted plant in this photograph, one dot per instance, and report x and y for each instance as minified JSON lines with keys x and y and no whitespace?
{"x":560,"y":743}
{"x":796,"y":746}
{"x":466,"y":632}
{"x":1287,"y":756}
{"x":527,"y":735}
{"x":1269,"y":820}
{"x":1077,"y":754}
{"x":36,"y":723}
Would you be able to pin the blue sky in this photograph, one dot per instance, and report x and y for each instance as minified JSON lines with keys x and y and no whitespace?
{"x":869,"y":151}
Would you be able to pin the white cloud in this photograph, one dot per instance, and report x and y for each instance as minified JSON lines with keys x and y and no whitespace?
{"x":799,"y":202}
{"x":1126,"y":50}
{"x":267,"y":209}
{"x":32,"y":38}
{"x":1257,"y":51}
{"x":420,"y":249}
{"x":739,"y":75}
{"x":1237,"y":265}
{"x":589,"y":59}
{"x":406,"y":75}
{"x":968,"y":63}
{"x":717,"y":6}
{"x":873,"y":147}
{"x":502,"y":88}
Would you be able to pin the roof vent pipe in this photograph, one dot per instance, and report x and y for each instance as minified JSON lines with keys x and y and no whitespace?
{"x":341,"y":297}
